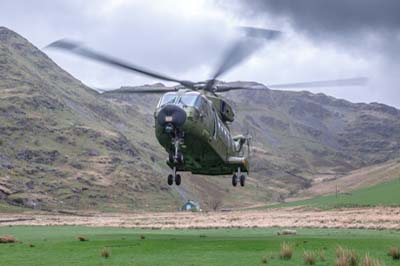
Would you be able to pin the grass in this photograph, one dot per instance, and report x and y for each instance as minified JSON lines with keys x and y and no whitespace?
{"x":58,"y":246}
{"x":309,"y":258}
{"x":384,"y":194}
{"x":6,"y":208}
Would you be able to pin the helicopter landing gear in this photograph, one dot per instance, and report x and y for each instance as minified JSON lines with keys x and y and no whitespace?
{"x":234,"y":180}
{"x":175,"y":158}
{"x":174,"y":177}
{"x":175,"y":155}
{"x":238,"y":177}
{"x":242,"y":180}
{"x":170,"y":179}
{"x":178,"y":179}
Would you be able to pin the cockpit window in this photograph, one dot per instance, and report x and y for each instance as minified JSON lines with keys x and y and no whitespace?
{"x":168,"y":98}
{"x":189,"y":99}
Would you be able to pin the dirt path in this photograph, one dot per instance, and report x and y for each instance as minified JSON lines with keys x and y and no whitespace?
{"x":367,"y":218}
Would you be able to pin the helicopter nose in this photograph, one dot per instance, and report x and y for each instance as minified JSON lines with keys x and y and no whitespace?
{"x":171,"y":114}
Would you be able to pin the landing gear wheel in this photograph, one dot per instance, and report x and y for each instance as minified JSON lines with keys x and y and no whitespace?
{"x":234,"y":180}
{"x":178,"y":180}
{"x":242,"y":180}
{"x":170,"y":180}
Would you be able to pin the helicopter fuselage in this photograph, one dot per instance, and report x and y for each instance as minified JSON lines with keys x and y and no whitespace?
{"x":192,"y":131}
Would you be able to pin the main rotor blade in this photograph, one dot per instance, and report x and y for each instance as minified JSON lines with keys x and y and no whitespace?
{"x":358,"y":81}
{"x":224,"y":88}
{"x":78,"y":49}
{"x":128,"y":90}
{"x":242,"y":49}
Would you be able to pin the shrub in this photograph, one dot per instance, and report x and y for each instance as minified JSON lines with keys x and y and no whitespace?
{"x":346,"y":257}
{"x":105,"y":252}
{"x":8,"y":239}
{"x":340,"y":252}
{"x":286,"y":251}
{"x":264,"y":260}
{"x":394,"y":252}
{"x":341,"y":261}
{"x":353,"y":258}
{"x":309,"y":257}
{"x":82,"y":238}
{"x":368,"y":261}
{"x":322,"y":256}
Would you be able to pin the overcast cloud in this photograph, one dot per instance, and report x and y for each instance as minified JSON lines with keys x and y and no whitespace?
{"x":349,"y":36}
{"x":323,"y":39}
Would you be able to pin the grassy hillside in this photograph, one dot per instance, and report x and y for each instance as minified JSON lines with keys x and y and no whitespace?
{"x":59,"y":246}
{"x":329,"y":183}
{"x":384,"y":194}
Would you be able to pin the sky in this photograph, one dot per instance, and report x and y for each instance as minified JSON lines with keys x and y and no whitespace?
{"x":186,"y":39}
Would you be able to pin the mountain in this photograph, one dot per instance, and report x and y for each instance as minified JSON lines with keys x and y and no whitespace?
{"x":309,"y":133}
{"x":64,"y":146}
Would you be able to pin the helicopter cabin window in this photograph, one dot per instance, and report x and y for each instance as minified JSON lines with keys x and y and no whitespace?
{"x":202,"y":104}
{"x":190,"y":99}
{"x":168,"y":98}
{"x":223,"y":134}
{"x":215,"y":133}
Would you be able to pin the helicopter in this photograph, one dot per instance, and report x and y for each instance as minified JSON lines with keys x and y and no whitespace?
{"x":192,"y":119}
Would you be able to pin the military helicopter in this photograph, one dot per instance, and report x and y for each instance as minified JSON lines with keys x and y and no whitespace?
{"x":192,"y":120}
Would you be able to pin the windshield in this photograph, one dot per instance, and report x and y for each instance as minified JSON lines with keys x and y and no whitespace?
{"x":189,"y":99}
{"x":167,"y":98}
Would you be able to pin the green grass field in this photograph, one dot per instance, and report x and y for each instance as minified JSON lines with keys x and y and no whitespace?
{"x":385,"y":194}
{"x":59,"y":246}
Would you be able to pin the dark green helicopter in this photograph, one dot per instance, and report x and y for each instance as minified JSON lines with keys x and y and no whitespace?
{"x":192,"y":119}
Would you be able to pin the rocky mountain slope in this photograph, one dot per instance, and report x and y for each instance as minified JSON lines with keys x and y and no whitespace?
{"x":65,"y":146}
{"x":312,"y":133}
